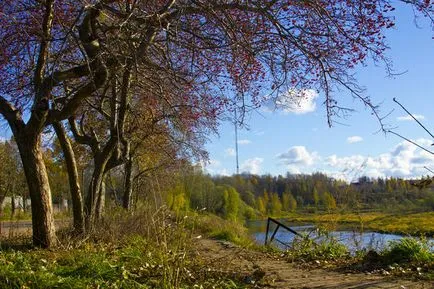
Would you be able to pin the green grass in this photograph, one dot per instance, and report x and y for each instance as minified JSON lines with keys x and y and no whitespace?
{"x":218,"y":228}
{"x":405,"y":258}
{"x":325,"y":248}
{"x":18,"y":216}
{"x":408,"y":250}
{"x":414,"y":224}
{"x":135,"y":264}
{"x":141,"y":251}
{"x":27,"y":216}
{"x":88,"y":267}
{"x":408,"y":257}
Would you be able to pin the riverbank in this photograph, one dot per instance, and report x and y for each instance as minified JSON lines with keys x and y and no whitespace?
{"x":415,"y":224}
{"x":271,"y":270}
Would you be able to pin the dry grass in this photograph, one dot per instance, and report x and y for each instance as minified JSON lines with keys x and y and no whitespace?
{"x":151,"y":248}
{"x":412,"y":223}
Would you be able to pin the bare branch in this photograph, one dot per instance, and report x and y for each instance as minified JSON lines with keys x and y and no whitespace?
{"x":410,"y":114}
{"x":410,"y":141}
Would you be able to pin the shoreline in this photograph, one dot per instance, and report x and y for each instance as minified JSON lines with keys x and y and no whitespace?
{"x":413,"y":224}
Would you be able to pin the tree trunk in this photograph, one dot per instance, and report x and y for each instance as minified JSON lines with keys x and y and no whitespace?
{"x":128,"y":185}
{"x":136,"y":197}
{"x":44,"y":234}
{"x":74,"y":181}
{"x":93,"y":192}
{"x":100,"y":204}
{"x":12,"y":206}
{"x":2,"y":199}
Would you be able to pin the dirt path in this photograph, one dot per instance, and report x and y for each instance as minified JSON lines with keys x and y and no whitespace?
{"x":24,"y":227}
{"x":275,"y":273}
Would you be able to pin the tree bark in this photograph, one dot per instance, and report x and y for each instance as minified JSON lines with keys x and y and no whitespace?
{"x":74,"y":180}
{"x":12,"y":206}
{"x":92,"y":197}
{"x":44,"y":234}
{"x":94,"y":190}
{"x":100,"y":204}
{"x":128,"y":185}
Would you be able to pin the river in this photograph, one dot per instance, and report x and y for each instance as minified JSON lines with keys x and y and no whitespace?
{"x":353,"y":240}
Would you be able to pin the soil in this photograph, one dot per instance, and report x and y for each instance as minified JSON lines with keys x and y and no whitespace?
{"x":265,"y":270}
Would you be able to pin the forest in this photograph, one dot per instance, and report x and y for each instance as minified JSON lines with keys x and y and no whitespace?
{"x":277,"y":195}
{"x":237,"y":197}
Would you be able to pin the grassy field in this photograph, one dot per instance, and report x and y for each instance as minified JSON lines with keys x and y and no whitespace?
{"x":135,"y":263}
{"x":155,"y":250}
{"x":407,"y":224}
{"x":146,"y":250}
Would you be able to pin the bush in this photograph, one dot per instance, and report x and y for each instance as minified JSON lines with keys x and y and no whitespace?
{"x":408,"y":250}
{"x":218,"y":228}
{"x":324,"y":248}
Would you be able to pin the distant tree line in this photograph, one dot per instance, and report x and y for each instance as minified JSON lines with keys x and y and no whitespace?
{"x":246,"y":195}
{"x":236,"y":197}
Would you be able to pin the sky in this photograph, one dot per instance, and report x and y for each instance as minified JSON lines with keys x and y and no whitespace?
{"x":298,"y":140}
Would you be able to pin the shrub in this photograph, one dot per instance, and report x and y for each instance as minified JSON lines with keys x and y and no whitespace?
{"x":324,"y":248}
{"x":408,"y":250}
{"x":218,"y":228}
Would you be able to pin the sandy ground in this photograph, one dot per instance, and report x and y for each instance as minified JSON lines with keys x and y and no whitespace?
{"x":267,"y":271}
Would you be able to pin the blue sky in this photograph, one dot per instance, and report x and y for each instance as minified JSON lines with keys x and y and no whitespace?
{"x":300,"y":141}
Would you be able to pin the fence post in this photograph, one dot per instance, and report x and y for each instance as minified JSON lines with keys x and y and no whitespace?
{"x":278,"y":225}
{"x":266,"y":233}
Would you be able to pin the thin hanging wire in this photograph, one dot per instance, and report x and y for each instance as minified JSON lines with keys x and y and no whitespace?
{"x":236,"y":141}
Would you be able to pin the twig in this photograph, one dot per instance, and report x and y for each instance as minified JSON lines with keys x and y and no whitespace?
{"x":410,"y":141}
{"x":409,"y":113}
{"x":428,"y":169}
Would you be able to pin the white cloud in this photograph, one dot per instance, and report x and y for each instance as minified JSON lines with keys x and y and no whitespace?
{"x":229,"y":152}
{"x":403,"y":160}
{"x":407,"y":117}
{"x":424,"y":142}
{"x":295,"y":101}
{"x":252,"y":166}
{"x":298,"y":155}
{"x":244,"y":142}
{"x":354,"y":139}
{"x":347,"y":165}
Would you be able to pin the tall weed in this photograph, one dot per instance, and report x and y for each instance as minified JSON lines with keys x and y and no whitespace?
{"x":409,"y":250}
{"x":323,"y":247}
